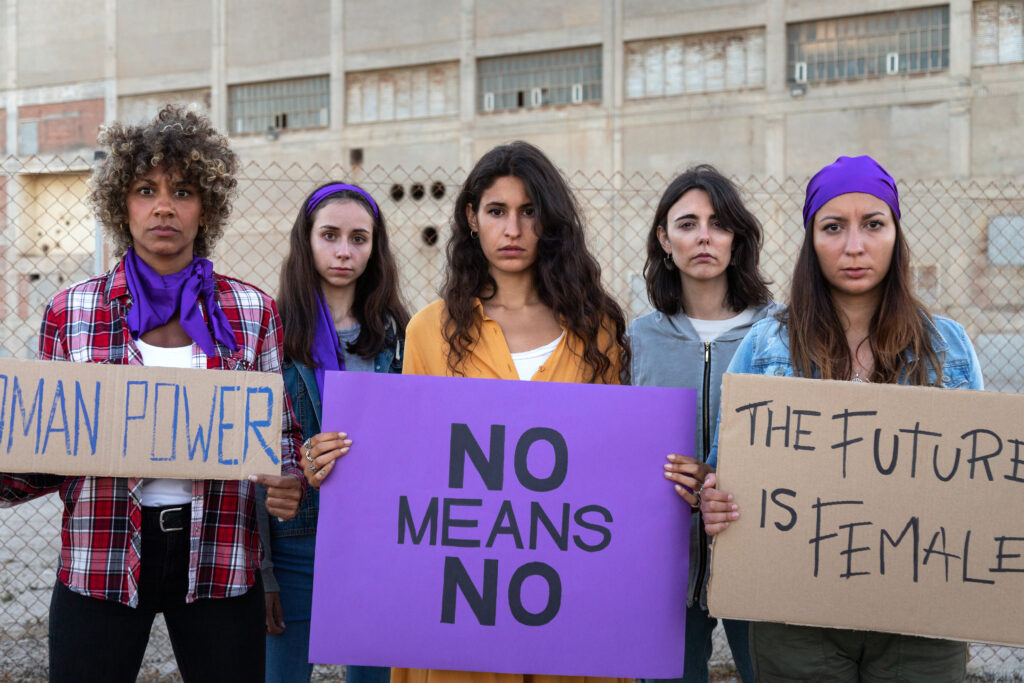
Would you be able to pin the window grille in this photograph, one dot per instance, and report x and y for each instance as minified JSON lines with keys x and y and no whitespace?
{"x":870,"y":45}
{"x":692,"y":64}
{"x":279,"y":105}
{"x":540,"y":79}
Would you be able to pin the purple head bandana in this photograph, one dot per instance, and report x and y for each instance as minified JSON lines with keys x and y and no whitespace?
{"x":850,"y":174}
{"x":334,"y":188}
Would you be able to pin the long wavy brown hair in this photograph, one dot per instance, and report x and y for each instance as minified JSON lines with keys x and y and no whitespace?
{"x":378,"y":302}
{"x":898,"y":333}
{"x":747,"y":286}
{"x":566,"y":276}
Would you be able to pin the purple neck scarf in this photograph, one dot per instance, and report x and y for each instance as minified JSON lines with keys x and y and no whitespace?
{"x":327,"y":352}
{"x":850,"y":174}
{"x":158,"y":298}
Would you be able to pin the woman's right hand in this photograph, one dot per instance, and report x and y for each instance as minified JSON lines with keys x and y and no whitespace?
{"x":716,"y":507}
{"x":319,"y":453}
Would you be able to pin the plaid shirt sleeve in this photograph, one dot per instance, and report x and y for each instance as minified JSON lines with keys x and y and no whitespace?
{"x":18,"y":488}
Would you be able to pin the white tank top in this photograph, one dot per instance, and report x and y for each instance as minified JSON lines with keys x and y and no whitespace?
{"x":163,"y":492}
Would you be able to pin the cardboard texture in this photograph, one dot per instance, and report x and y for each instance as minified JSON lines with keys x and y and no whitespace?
{"x":134,"y":421}
{"x":875,"y":507}
{"x":491,"y":525}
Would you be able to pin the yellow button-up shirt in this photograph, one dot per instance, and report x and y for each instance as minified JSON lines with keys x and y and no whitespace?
{"x":426,"y":353}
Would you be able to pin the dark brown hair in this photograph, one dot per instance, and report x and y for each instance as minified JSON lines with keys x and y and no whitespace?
{"x":377,"y":305}
{"x":566,"y":276}
{"x":177,"y":138}
{"x":897,"y":333}
{"x":747,"y":285}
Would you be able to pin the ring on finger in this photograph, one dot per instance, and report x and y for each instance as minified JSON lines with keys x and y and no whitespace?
{"x":307,"y":447}
{"x":312,"y":467}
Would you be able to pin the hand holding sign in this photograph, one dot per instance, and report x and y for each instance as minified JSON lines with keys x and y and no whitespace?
{"x":284,"y":493}
{"x":688,"y":474}
{"x":319,"y":453}
{"x":716,"y":507}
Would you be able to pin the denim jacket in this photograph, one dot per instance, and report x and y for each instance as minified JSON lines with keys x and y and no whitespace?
{"x":301,"y":387}
{"x":765,"y":351}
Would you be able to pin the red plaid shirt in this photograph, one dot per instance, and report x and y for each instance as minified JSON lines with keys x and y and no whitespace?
{"x":101,"y":542}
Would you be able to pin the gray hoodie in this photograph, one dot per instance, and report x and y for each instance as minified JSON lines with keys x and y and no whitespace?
{"x":667,"y":352}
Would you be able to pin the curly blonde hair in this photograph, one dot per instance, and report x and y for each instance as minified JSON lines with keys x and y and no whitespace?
{"x":177,"y":138}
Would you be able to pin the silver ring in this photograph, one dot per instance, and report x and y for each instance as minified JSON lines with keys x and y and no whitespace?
{"x":308,"y":447}
{"x":312,"y":467}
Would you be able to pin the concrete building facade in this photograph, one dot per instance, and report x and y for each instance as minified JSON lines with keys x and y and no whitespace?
{"x":932,"y":88}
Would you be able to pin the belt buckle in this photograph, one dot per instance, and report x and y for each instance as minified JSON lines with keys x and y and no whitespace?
{"x":163,"y":526}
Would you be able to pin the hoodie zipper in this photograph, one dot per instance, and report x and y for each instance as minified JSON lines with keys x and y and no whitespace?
{"x":702,"y":549}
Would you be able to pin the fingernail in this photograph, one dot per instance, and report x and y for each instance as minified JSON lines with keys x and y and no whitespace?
{"x":252,"y":477}
{"x":280,"y":519}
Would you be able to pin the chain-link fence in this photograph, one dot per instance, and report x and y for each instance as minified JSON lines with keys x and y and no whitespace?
{"x":967,"y":241}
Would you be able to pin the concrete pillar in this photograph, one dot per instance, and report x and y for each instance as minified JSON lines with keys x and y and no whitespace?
{"x":11,"y":77}
{"x":218,"y":66}
{"x":467,"y":82}
{"x":612,"y":81}
{"x":960,"y":42}
{"x":337,"y":73}
{"x":110,"y":61}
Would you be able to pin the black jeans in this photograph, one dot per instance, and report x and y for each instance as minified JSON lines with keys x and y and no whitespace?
{"x":213,"y":640}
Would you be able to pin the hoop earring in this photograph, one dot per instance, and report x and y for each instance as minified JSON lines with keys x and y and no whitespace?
{"x":474,"y":234}
{"x":669,"y":263}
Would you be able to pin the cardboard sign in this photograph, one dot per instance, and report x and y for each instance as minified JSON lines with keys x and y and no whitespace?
{"x":134,"y":421}
{"x":492,"y":525}
{"x":875,"y":507}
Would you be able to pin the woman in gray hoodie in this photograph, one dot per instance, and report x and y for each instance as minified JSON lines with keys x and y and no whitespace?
{"x":707,"y":290}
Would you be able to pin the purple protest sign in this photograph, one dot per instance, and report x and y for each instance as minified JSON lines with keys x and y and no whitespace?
{"x":512,"y":527}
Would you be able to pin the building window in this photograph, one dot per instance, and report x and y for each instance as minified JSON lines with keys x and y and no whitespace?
{"x":998,"y":32}
{"x":279,"y":105}
{"x":851,"y":48}
{"x":541,"y":79}
{"x":401,"y":94}
{"x":694,"y":64}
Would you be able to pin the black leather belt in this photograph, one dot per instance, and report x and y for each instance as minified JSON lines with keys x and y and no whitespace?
{"x":168,"y":519}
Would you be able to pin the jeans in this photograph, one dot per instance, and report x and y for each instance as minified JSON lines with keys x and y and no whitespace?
{"x":699,"y":628}
{"x":288,"y":653}
{"x":213,"y":639}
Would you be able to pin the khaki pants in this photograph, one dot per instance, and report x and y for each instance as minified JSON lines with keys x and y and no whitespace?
{"x":784,"y":653}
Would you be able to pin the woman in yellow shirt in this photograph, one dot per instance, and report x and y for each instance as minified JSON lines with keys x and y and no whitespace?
{"x":522,"y":299}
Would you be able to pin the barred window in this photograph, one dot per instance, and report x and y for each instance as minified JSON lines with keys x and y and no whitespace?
{"x":541,"y":79}
{"x":998,"y":32}
{"x":401,"y":94}
{"x":693,"y":64}
{"x":850,"y":48}
{"x":287,"y":104}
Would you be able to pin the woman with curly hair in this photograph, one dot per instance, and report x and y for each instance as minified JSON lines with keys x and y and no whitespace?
{"x":132,"y":547}
{"x":852,"y":316}
{"x":341,"y":309}
{"x":707,"y":289}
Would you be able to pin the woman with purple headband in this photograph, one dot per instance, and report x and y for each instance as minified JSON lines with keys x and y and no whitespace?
{"x":851,"y":316}
{"x":341,"y":310}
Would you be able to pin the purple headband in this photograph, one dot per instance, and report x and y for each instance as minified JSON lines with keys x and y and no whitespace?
{"x":334,"y":188}
{"x":850,"y":174}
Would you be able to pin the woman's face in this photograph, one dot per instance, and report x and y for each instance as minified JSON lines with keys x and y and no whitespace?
{"x":342,"y":241}
{"x":506,"y":221}
{"x":854,"y":237}
{"x":700,"y":246}
{"x":164,"y":215}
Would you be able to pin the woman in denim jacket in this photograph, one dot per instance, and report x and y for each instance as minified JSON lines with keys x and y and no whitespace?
{"x":852,"y":316}
{"x":704,"y":282}
{"x":341,"y":310}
